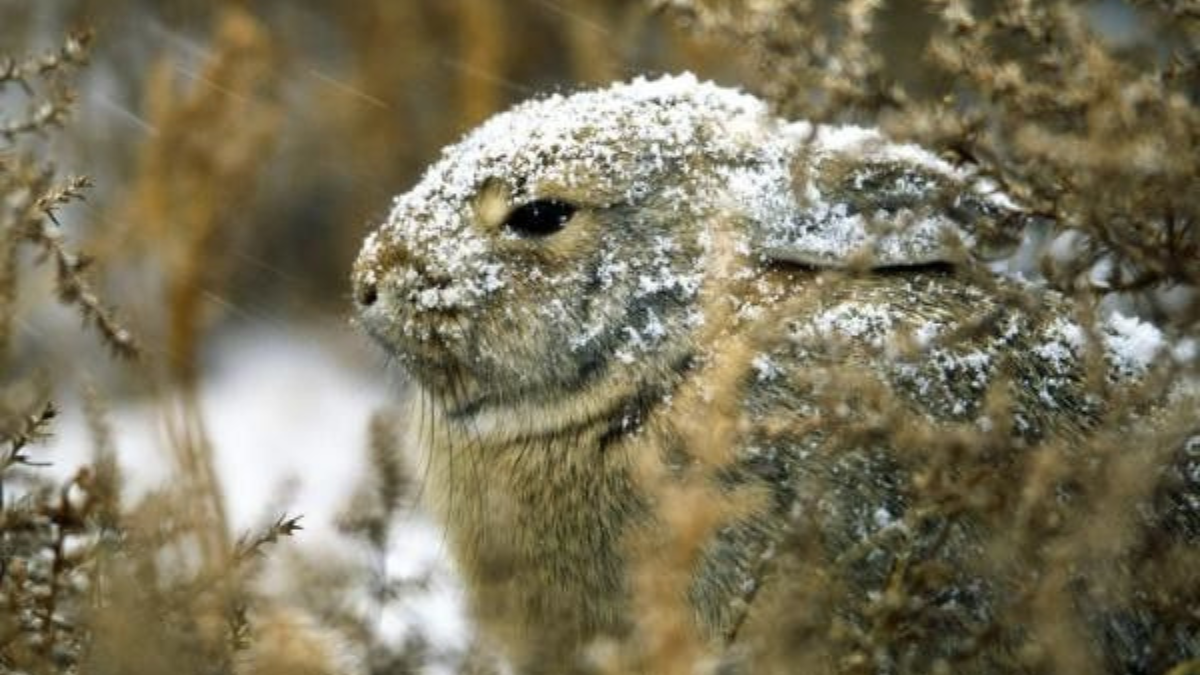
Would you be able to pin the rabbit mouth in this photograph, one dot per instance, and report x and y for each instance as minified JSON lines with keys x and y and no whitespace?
{"x":432,"y":361}
{"x":408,"y":312}
{"x":422,"y":339}
{"x":441,"y":375}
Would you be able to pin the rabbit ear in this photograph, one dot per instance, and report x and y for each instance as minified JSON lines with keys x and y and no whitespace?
{"x":887,"y":206}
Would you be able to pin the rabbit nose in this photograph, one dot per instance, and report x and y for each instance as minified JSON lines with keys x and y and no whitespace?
{"x":407,"y":276}
{"x":376,"y":263}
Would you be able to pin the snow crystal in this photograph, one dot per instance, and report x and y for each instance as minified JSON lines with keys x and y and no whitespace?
{"x":941,"y":373}
{"x":765,"y":369}
{"x":926,"y":333}
{"x":1132,"y":344}
{"x":855,"y":320}
{"x":1012,"y":329}
{"x":555,"y":309}
{"x":610,"y":270}
{"x":654,"y":329}
{"x":1185,"y":351}
{"x":1065,"y":340}
{"x":883,"y":518}
{"x":660,"y":273}
{"x":586,"y":335}
{"x":750,"y":312}
{"x":825,"y":231}
{"x":974,"y":367}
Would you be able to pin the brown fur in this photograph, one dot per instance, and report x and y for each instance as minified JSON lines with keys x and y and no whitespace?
{"x":620,"y":457}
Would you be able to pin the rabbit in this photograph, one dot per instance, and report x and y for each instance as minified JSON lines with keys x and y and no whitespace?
{"x":622,"y":303}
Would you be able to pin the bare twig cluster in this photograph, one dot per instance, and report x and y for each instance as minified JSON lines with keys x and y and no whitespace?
{"x":88,"y":583}
{"x":52,"y":110}
{"x":32,"y":194}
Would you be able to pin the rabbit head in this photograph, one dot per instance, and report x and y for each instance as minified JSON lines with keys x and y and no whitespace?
{"x":555,"y":242}
{"x":568,"y":238}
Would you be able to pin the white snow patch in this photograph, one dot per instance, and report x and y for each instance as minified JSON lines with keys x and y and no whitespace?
{"x":287,"y":416}
{"x":1132,"y":344}
{"x":1064,"y":341}
{"x":654,"y":329}
{"x":765,"y":369}
{"x":926,"y":333}
{"x":855,"y":320}
{"x":883,"y":518}
{"x":1185,"y":351}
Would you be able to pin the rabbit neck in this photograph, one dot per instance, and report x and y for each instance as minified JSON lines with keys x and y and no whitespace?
{"x":538,"y":510}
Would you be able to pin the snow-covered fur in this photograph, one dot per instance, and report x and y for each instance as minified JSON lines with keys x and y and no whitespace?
{"x":584,"y":279}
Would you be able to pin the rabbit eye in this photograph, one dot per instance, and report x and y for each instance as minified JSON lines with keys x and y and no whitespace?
{"x":540,"y":218}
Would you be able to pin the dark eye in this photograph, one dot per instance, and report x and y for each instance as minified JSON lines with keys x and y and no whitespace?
{"x":540,"y":218}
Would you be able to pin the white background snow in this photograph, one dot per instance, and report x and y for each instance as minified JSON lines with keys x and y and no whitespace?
{"x":287,"y":414}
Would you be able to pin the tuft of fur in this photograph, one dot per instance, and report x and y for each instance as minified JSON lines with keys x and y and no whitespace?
{"x":743,"y":334}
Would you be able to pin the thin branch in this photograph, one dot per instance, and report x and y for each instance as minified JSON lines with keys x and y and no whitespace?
{"x":48,"y":114}
{"x":249,"y":547}
{"x":73,"y":52}
{"x":73,"y":287}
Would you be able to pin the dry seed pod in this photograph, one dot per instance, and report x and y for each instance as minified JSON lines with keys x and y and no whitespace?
{"x":613,"y":297}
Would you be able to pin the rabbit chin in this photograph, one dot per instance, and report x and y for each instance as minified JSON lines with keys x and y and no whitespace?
{"x":430,"y":361}
{"x":446,"y":385}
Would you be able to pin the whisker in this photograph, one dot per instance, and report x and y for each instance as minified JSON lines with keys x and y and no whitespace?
{"x":474,"y":451}
{"x":475,"y":454}
{"x":425,"y":440}
{"x":450,"y":451}
{"x":187,"y":45}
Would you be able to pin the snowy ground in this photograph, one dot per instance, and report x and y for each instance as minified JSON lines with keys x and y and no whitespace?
{"x":287,"y":414}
